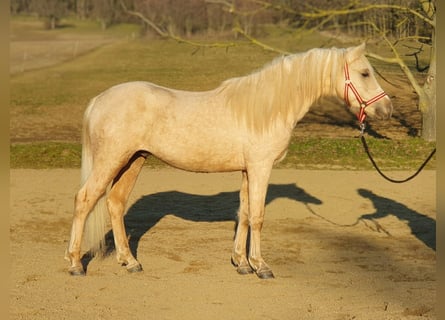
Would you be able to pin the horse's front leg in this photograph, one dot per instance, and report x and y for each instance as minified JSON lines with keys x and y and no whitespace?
{"x":239,"y":256}
{"x":258,"y":181}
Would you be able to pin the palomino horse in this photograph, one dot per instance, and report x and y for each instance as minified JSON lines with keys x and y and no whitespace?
{"x":244,"y":125}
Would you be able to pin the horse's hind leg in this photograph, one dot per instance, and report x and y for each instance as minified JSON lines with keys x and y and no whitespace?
{"x":85,"y":200}
{"x":116,"y":201}
{"x":239,"y":257}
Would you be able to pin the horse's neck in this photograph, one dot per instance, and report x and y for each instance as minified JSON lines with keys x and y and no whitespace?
{"x":316,"y":71}
{"x":314,"y":75}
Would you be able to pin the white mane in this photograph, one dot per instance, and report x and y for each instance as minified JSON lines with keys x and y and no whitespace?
{"x":284,"y":89}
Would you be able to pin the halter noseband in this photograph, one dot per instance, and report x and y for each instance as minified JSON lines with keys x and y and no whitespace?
{"x":361,"y":115}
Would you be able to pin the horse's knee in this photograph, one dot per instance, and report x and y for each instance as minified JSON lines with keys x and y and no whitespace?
{"x":256,"y":223}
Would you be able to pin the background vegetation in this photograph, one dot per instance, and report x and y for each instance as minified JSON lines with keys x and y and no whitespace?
{"x":219,"y":17}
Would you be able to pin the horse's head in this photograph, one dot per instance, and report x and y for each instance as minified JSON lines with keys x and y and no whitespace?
{"x":360,"y":89}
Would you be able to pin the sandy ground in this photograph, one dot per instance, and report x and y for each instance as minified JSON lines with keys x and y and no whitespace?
{"x":342,"y":245}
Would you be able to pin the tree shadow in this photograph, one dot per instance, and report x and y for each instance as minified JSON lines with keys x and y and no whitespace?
{"x":422,"y":226}
{"x":146,"y":212}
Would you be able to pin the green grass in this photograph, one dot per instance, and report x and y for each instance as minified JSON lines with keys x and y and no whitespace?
{"x":332,"y":153}
{"x":45,"y":155}
{"x":307,"y":153}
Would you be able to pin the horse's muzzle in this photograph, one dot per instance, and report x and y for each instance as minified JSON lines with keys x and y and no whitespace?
{"x":381,"y":110}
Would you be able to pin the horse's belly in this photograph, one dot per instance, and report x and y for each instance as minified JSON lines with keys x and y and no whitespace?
{"x":199,"y":153}
{"x":201,"y":161}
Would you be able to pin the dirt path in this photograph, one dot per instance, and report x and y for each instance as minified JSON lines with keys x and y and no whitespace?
{"x":327,"y":265}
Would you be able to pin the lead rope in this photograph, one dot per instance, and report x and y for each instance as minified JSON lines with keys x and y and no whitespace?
{"x":365,"y":146}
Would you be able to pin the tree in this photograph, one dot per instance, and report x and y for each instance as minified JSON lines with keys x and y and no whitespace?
{"x":51,"y":10}
{"x":427,"y":96}
{"x":82,"y":8}
{"x":105,"y":11}
{"x":18,"y":6}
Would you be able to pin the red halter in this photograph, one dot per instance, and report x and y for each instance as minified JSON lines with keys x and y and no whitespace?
{"x":361,"y":115}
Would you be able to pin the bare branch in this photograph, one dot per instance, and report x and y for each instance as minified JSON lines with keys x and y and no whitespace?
{"x":415,"y":54}
{"x":323,"y":13}
{"x":160,"y":32}
{"x":259,"y":43}
{"x":171,"y":35}
{"x":385,"y":79}
{"x":230,"y":7}
{"x":381,"y":58}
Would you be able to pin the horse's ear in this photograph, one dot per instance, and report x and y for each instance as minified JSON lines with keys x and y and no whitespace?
{"x":354,"y":53}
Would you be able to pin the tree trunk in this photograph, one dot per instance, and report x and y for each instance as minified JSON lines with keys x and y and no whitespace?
{"x":81,"y":9}
{"x":427,"y":101}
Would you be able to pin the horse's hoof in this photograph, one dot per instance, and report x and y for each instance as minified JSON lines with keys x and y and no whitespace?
{"x":136,"y":268}
{"x":265,"y":274}
{"x":76,"y":271}
{"x":244,"y":270}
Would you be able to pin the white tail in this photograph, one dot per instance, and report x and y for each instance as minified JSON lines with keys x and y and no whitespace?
{"x":95,"y":226}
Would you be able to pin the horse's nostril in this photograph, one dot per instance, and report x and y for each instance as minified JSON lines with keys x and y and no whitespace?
{"x":384,"y":112}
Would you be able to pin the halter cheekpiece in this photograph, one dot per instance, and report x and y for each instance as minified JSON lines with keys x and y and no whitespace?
{"x":361,"y":115}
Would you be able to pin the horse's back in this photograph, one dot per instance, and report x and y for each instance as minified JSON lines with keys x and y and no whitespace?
{"x":130,"y":93}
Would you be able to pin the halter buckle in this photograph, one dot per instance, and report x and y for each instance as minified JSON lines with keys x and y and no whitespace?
{"x":362,"y":128}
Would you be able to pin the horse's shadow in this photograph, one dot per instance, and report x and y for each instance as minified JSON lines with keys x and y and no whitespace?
{"x":422,"y":226}
{"x":146,"y":212}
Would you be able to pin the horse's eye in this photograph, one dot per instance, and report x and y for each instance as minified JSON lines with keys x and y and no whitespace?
{"x":365,"y":74}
